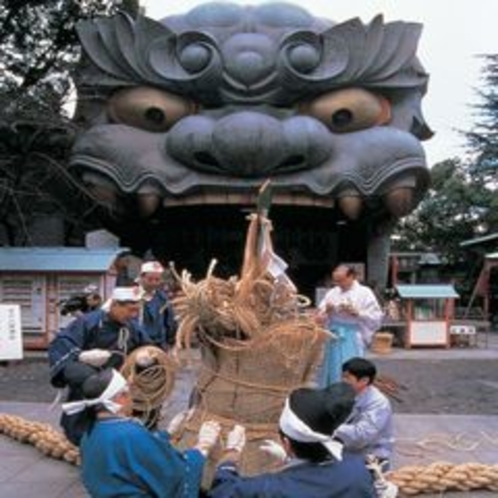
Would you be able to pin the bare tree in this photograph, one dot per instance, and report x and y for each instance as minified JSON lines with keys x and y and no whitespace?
{"x":38,"y":49}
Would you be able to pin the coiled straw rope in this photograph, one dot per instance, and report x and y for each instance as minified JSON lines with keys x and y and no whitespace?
{"x":151,"y":384}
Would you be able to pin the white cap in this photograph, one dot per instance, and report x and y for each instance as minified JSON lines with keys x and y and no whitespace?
{"x":91,"y":289}
{"x":126,"y":294}
{"x":151,"y":267}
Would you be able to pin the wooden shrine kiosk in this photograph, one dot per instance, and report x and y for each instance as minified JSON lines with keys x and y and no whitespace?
{"x":37,"y":278}
{"x":428,"y":311}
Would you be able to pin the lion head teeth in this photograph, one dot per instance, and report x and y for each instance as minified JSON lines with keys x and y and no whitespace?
{"x":400,"y":201}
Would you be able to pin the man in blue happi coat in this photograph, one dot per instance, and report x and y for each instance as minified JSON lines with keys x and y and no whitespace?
{"x":91,"y":342}
{"x":156,"y":314}
{"x":316,"y":465}
{"x":120,"y":457}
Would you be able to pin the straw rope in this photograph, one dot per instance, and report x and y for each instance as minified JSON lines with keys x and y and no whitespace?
{"x":437,"y":477}
{"x":444,"y":476}
{"x":251,"y":385}
{"x":221,"y":310}
{"x":151,"y":385}
{"x":433,"y":443}
{"x":43,"y":437}
{"x":389,"y":386}
{"x":257,"y":344}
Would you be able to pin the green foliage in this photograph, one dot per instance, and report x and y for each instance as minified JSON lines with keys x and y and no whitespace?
{"x":446,"y":216}
{"x":483,"y":137}
{"x":462,"y":202}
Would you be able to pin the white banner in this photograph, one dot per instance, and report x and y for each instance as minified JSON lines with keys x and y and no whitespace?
{"x":10,"y":332}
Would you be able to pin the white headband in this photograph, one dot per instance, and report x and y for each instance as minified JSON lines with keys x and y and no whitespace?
{"x":296,"y":429}
{"x":124,"y":294}
{"x":117,"y":385}
{"x":152,"y":267}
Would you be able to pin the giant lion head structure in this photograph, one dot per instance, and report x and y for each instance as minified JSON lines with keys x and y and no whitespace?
{"x":187,"y":116}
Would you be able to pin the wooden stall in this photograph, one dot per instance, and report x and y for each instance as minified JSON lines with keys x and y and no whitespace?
{"x":37,"y":278}
{"x":428,"y":311}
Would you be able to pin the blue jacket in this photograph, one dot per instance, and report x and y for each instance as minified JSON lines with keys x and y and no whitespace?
{"x":120,"y":457}
{"x":348,"y":478}
{"x":157,"y":318}
{"x":89,"y":331}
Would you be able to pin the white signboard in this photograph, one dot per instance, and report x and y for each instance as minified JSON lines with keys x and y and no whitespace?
{"x":10,"y":332}
{"x":428,"y":333}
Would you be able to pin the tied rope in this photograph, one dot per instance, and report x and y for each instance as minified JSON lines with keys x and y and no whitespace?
{"x":284,"y":390}
{"x":150,"y":385}
{"x":124,"y":335}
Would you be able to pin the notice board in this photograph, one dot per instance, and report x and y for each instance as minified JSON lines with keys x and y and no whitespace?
{"x":10,"y":332}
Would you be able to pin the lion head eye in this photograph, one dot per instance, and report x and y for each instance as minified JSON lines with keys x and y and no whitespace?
{"x":349,"y":110}
{"x":148,"y":108}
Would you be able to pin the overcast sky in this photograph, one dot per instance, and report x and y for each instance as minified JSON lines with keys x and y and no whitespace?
{"x":455,"y":32}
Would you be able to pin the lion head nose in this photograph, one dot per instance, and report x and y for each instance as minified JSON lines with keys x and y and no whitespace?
{"x":252,"y":141}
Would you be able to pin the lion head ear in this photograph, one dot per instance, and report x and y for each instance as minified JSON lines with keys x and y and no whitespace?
{"x":380,"y":55}
{"x":126,"y":51}
{"x":379,"y":52}
{"x":116,"y":45}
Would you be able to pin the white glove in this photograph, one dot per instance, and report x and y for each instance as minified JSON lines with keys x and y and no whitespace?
{"x":386,"y":489}
{"x":145,"y":358}
{"x":274,"y":449}
{"x":95,"y":357}
{"x":208,"y":436}
{"x":179,"y":419}
{"x":383,"y":488}
{"x":236,"y":439}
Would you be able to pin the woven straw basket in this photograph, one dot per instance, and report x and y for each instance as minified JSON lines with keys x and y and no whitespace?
{"x":248,"y":386}
{"x":382,"y":343}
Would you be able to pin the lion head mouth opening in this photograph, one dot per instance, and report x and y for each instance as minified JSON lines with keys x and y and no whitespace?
{"x":188,"y":116}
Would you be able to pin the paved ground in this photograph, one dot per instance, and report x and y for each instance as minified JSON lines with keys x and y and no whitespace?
{"x":449,"y":412}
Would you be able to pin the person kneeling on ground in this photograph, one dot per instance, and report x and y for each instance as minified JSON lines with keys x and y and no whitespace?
{"x":315,"y":464}
{"x":120,"y":457}
{"x":369,"y":429}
